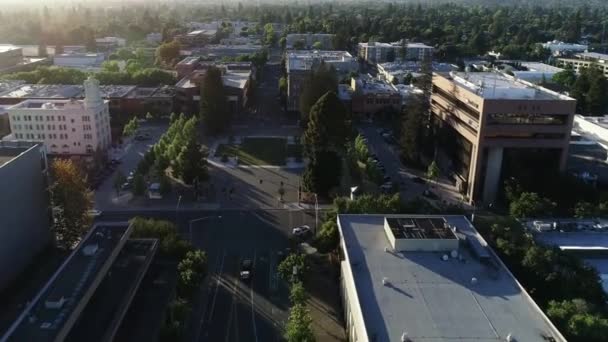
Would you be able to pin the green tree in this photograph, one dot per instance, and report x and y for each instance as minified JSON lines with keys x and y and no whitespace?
{"x":214,"y":106}
{"x":71,"y":200}
{"x":299,"y":325}
{"x":361,"y":149}
{"x":110,"y":66}
{"x":139,"y":185}
{"x":320,"y":81}
{"x":413,"y":130}
{"x":328,"y":237}
{"x":131,"y":127}
{"x":565,"y":78}
{"x":191,"y":271}
{"x":597,"y":96}
{"x":119,"y":180}
{"x":191,"y":162}
{"x":432,"y":172}
{"x":270,"y":37}
{"x":317,"y":46}
{"x":584,"y":209}
{"x":297,"y":293}
{"x":530,"y":204}
{"x":168,"y":53}
{"x":291,"y":262}
{"x":328,"y":126}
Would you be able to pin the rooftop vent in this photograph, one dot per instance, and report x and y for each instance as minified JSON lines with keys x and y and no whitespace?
{"x":474,"y":281}
{"x":45,"y":325}
{"x":90,"y":250}
{"x":405,"y":337}
{"x":510,"y":338}
{"x":385,"y":281}
{"x":55,"y":304}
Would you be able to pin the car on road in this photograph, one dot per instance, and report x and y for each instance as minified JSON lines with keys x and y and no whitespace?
{"x":94,"y":212}
{"x":301,"y":231}
{"x":246,"y":266}
{"x":126,"y":186}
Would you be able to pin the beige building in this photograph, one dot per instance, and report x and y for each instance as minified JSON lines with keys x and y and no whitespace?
{"x":491,"y":127}
{"x":585,"y":60}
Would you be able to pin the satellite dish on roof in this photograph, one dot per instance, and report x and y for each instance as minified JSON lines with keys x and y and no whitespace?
{"x":445,"y":257}
{"x":454,"y":254}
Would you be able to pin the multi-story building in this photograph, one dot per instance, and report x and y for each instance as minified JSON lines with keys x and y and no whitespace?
{"x":301,"y":63}
{"x":493,"y":126}
{"x":431,"y":278}
{"x":25,"y":216}
{"x":197,"y":38}
{"x":376,"y":52}
{"x":87,"y":61}
{"x":67,"y":127}
{"x":306,"y":41}
{"x":10,"y":56}
{"x":236,"y":78}
{"x":560,"y":48}
{"x":109,"y":43}
{"x":396,"y":72}
{"x":585,"y":60}
{"x":371,"y":96}
{"x":90,"y":294}
{"x":154,"y":37}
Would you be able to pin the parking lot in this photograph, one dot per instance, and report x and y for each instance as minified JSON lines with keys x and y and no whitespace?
{"x":233,"y":309}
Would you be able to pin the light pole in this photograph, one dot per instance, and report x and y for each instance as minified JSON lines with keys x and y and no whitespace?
{"x":316,"y":214}
{"x":179,"y":200}
{"x":219,"y":217}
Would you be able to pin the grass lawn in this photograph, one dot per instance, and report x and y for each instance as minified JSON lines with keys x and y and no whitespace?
{"x":257,"y":151}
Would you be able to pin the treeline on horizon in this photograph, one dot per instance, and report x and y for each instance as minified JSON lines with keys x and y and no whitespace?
{"x":457,"y":29}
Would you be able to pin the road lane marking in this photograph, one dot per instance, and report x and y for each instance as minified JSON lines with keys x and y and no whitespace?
{"x":233,"y":304}
{"x":217,"y":286}
{"x":255,"y":331}
{"x":204,"y":313}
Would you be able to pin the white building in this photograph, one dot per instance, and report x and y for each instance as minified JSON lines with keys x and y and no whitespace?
{"x":560,"y":48}
{"x":431,"y":278}
{"x":110,"y":42}
{"x":69,"y":127}
{"x":79,"y":60}
{"x":377,"y":52}
{"x":154,"y":37}
{"x":536,"y":72}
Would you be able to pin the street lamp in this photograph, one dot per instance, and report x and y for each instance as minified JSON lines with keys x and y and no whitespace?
{"x":316,"y":214}
{"x":179,"y":200}
{"x":219,"y":217}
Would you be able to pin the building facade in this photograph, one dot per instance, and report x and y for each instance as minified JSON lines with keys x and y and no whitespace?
{"x":585,"y":60}
{"x":559,"y":48}
{"x":372,"y":96}
{"x":376,"y":52}
{"x":25,"y":216}
{"x":493,"y":127}
{"x":67,"y":127}
{"x":79,"y":60}
{"x":301,"y":63}
{"x":10,"y":56}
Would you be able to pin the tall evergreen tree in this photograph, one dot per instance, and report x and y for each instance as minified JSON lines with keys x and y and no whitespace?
{"x":321,"y":80}
{"x":214,"y":106}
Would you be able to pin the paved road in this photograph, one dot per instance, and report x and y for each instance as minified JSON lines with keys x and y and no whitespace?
{"x":230,"y":309}
{"x":388,"y":155}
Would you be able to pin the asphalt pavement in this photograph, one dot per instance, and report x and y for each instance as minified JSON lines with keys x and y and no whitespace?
{"x":231,"y":309}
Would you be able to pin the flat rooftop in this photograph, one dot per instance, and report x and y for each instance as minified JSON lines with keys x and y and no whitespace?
{"x":104,"y":312}
{"x":540,"y":67}
{"x":498,"y":86}
{"x":592,"y":55}
{"x":7,"y":48}
{"x":433,"y":300}
{"x":45,"y":91}
{"x":70,"y":288}
{"x":9,"y":153}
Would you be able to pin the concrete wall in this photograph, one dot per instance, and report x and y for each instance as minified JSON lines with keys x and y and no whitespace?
{"x":24,"y":212}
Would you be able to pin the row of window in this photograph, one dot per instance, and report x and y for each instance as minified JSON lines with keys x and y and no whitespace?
{"x":383,"y":101}
{"x":38,"y":118}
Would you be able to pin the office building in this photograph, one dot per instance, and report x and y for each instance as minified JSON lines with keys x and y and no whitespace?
{"x":301,"y":63}
{"x":371,"y":97}
{"x":376,"y":52}
{"x":89,"y":295}
{"x":588,"y":151}
{"x":197,"y":38}
{"x":431,"y":278}
{"x":559,"y":48}
{"x":83,"y":61}
{"x":396,"y":72}
{"x":306,"y":41}
{"x":154,"y":37}
{"x":218,"y":51}
{"x":10,"y":56}
{"x":25,"y":216}
{"x":110,"y":43}
{"x":493,"y":127}
{"x":585,"y":60}
{"x":67,"y":127}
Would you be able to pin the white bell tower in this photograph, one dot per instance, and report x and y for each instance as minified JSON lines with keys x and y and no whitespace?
{"x":92,"y":93}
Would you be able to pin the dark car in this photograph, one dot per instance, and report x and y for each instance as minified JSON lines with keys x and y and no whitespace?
{"x":246,"y":266}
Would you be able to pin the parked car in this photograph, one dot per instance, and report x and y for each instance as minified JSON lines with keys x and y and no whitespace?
{"x":301,"y":230}
{"x":246,"y":267}
{"x":94,"y":212}
{"x":126,"y":186}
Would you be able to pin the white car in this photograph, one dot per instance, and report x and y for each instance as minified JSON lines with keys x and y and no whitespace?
{"x":94,"y":212}
{"x":301,"y":230}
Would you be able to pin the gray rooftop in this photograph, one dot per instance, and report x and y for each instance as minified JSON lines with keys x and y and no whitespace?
{"x":71,"y":286}
{"x":435,"y":300}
